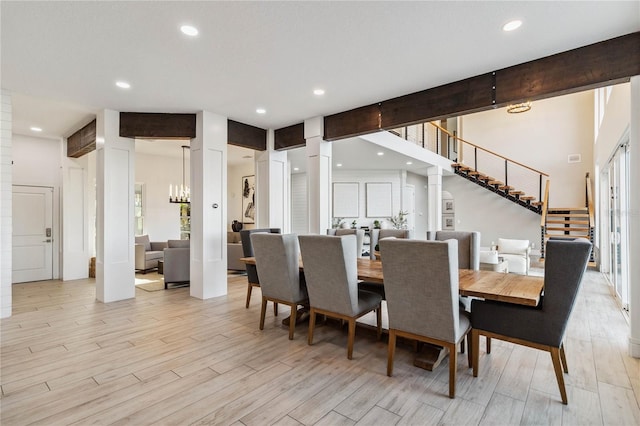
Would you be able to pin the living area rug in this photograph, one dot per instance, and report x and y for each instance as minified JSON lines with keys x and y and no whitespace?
{"x":151,"y":286}
{"x":150,"y":282}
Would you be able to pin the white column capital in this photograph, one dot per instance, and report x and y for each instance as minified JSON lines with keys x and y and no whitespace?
{"x":314,"y":128}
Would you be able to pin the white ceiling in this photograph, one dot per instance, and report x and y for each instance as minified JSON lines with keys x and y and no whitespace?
{"x":60,"y":60}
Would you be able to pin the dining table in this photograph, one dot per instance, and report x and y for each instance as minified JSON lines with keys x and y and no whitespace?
{"x":488,"y":285}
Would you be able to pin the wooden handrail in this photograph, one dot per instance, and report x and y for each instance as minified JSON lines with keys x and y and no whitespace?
{"x":545,"y":205}
{"x":590,"y":201}
{"x":486,"y":150}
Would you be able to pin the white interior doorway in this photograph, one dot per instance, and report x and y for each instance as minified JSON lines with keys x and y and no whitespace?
{"x":32,"y":233}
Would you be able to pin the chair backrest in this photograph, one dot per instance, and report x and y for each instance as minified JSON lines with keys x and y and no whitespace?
{"x":359,"y":233}
{"x":468,"y":246}
{"x":277,"y":261}
{"x":378,"y":234}
{"x":421,"y":286}
{"x":179,"y":243}
{"x":331,"y":272}
{"x":247,"y":250}
{"x":510,"y":246}
{"x":564,"y":266}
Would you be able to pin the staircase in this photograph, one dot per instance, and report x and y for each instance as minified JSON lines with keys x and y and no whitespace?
{"x":568,"y":222}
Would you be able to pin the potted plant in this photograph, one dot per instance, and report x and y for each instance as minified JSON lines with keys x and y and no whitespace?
{"x":399,"y":221}
{"x":353,"y":224}
{"x":376,"y":224}
{"x":336,"y":222}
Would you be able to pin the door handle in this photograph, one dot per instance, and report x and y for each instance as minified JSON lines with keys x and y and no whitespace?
{"x":46,"y":241}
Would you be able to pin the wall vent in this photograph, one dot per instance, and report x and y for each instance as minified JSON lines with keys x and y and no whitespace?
{"x":574,"y":158}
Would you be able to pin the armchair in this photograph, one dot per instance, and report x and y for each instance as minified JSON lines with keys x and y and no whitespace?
{"x":378,"y":234}
{"x":516,"y":253}
{"x":147,"y":253}
{"x":177,"y":262}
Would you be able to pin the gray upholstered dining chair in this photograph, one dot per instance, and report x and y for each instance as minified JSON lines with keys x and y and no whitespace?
{"x":468,"y":246}
{"x":331,"y":273}
{"x":541,"y":327}
{"x":421,"y":285}
{"x":359,"y":233}
{"x":278,"y":263}
{"x":378,"y":234}
{"x":247,"y":251}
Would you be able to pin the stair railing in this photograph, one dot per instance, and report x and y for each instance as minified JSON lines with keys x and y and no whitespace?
{"x":590,"y":209}
{"x":543,"y":219}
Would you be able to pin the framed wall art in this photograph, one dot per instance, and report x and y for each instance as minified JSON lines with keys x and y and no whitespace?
{"x":249,"y":199}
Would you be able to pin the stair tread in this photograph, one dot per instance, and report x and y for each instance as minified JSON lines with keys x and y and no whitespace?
{"x":571,"y":209}
{"x":563,"y":229}
{"x":505,"y":187}
{"x":570,"y":222}
{"x":566,"y":236}
{"x":528,"y":197}
{"x":517,"y":192}
{"x":495,"y":182}
{"x":568,"y":215}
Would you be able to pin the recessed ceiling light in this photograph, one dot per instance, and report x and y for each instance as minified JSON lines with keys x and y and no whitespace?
{"x":261,"y":111}
{"x":512,"y":25}
{"x":123,"y":84}
{"x":189,"y":30}
{"x":409,"y":163}
{"x":381,"y":153}
{"x":35,"y":129}
{"x":318,"y":92}
{"x":339,"y":165}
{"x":295,"y":169}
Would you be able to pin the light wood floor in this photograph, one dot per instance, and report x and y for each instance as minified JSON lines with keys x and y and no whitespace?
{"x":168,"y":359}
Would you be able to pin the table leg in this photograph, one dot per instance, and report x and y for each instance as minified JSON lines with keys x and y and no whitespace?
{"x":302,"y":316}
{"x":430,"y":356}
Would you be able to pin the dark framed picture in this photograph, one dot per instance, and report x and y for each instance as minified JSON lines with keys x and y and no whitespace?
{"x":249,"y":199}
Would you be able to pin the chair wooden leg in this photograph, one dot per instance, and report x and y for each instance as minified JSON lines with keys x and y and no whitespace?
{"x":453,"y":368}
{"x":292,"y":320}
{"x":351,"y":337}
{"x":557,"y":367}
{"x":467,"y":338}
{"x":563,"y":358}
{"x":275,"y":309}
{"x":312,"y":325}
{"x":249,"y":289}
{"x":263,"y":311}
{"x":379,"y":319}
{"x":475,"y":349}
{"x":488,"y":345}
{"x":391,"y":352}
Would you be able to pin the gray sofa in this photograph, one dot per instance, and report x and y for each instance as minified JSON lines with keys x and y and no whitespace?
{"x":147,"y":253}
{"x":177,"y":262}
{"x":234,"y":252}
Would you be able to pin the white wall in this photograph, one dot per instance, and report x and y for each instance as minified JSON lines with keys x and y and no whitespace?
{"x":161,"y":218}
{"x":38,"y":162}
{"x":234,"y":191}
{"x":542,"y":139}
{"x":5,"y":204}
{"x":477,"y":209}
{"x":617,"y":112}
{"x":364,"y":176}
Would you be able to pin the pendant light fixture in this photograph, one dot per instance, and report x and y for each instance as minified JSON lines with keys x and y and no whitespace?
{"x":182,"y":192}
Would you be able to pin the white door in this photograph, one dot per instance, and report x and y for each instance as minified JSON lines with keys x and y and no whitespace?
{"x":409,"y":205}
{"x":32,"y":233}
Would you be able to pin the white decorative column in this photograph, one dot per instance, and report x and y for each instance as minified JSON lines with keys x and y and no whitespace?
{"x":6,"y":179}
{"x":318,"y":176}
{"x":208,"y":207}
{"x":434,"y":198}
{"x":75,"y":217}
{"x":634,"y":219}
{"x":272,"y":188}
{"x":115,"y":179}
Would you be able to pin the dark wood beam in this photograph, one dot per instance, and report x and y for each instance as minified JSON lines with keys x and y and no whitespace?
{"x":247,"y":136}
{"x":157,"y":125}
{"x":351,"y":123}
{"x":601,"y":64}
{"x":462,"y":97}
{"x":597,"y":65}
{"x":290,"y":137}
{"x":83,"y":141}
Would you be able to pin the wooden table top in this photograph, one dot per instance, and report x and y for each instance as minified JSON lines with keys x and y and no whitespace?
{"x":511,"y":288}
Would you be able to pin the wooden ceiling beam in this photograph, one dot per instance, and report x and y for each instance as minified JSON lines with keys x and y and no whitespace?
{"x":83,"y":141}
{"x":289,"y":137}
{"x":246,"y":136}
{"x":597,"y":65}
{"x":151,"y":125}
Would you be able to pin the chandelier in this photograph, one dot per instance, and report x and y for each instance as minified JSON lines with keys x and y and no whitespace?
{"x":183,"y":193}
{"x":518,"y":108}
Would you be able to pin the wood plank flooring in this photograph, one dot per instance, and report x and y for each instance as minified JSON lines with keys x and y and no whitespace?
{"x":165,"y":358}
